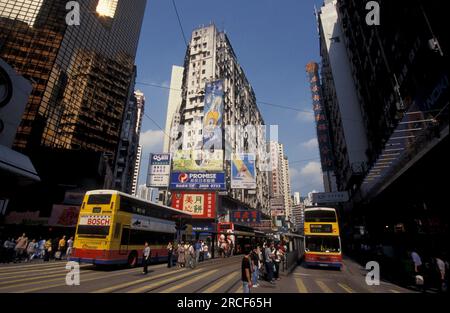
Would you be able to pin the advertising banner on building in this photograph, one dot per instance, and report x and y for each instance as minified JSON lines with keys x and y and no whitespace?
{"x":64,"y":215}
{"x":199,"y":204}
{"x":213,"y":115}
{"x":197,"y":160}
{"x":248,"y":216}
{"x":195,"y":181}
{"x":243,"y":173}
{"x":158,"y":170}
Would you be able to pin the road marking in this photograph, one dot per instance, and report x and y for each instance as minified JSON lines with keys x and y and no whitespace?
{"x":134,"y":282}
{"x":82,"y":280}
{"x":300,"y":285}
{"x":219,"y":284}
{"x":30,"y":265}
{"x":188,"y":282}
{"x":61,"y":278}
{"x":157,"y":284}
{"x":394,"y":291}
{"x":346,"y":288}
{"x":301,"y":274}
{"x":26,"y":272}
{"x":324,"y":287}
{"x":37,"y":277}
{"x":240,"y":289}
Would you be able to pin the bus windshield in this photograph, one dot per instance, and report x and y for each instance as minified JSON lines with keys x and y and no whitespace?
{"x":322,"y":244}
{"x":320,"y":216}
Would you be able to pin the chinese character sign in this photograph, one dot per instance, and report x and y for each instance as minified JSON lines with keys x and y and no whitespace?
{"x":199,"y":204}
{"x":323,"y":136}
{"x":246,"y":216}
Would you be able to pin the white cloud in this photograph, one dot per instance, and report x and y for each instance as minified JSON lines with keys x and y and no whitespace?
{"x":306,"y":179}
{"x":311,"y":144}
{"x":152,"y":141}
{"x":305,"y":116}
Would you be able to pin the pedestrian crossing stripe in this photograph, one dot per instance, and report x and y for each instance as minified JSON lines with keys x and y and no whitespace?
{"x":26,"y":272}
{"x":240,"y":289}
{"x":156,"y":284}
{"x":188,"y":282}
{"x":346,"y":288}
{"x":324,"y":287}
{"x":221,"y":283}
{"x":132,"y":283}
{"x":82,"y":280}
{"x":300,"y":285}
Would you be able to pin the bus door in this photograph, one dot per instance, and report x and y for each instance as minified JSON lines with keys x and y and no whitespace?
{"x":124,"y":240}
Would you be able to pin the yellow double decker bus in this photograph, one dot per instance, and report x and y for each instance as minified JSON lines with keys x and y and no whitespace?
{"x":322,"y":239}
{"x":113,"y":228}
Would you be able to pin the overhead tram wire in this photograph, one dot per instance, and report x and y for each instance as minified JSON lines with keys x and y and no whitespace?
{"x":261,"y":102}
{"x":179,"y":22}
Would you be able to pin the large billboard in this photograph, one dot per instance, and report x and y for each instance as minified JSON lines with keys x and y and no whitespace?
{"x":197,"y":160}
{"x":213,"y":116}
{"x":199,"y":204}
{"x":195,"y":181}
{"x":64,"y":215}
{"x":158,"y":170}
{"x":243,"y":173}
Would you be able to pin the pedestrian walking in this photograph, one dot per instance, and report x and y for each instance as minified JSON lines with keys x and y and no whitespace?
{"x":268,"y":258}
{"x":205,"y":252}
{"x":69,"y":247}
{"x":31,"y":250}
{"x":181,"y":255}
{"x":277,"y":261}
{"x":146,"y":257}
{"x":61,"y":248}
{"x":169,"y":254}
{"x":48,"y":250}
{"x":190,"y":256}
{"x":198,"y":249}
{"x":255,"y":273}
{"x":246,"y":270}
{"x":40,"y":253}
{"x":21,"y":246}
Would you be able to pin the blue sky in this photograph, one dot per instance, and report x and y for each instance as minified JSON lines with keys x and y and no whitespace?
{"x":273,"y":41}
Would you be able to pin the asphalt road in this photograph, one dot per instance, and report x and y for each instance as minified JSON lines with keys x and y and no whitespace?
{"x":214,"y":276}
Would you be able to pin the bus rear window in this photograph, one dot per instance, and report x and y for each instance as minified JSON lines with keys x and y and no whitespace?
{"x":99,"y":199}
{"x":93,"y":230}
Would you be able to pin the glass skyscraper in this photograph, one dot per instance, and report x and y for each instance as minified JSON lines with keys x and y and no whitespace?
{"x":81,"y":74}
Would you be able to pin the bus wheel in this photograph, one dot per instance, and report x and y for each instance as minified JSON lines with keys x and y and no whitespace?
{"x":133,"y":259}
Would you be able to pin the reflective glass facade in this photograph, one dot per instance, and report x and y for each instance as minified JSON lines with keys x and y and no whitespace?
{"x":81,"y":74}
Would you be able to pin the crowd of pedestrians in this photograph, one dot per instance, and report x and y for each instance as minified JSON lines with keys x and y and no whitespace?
{"x":262,"y":263}
{"x":24,"y":249}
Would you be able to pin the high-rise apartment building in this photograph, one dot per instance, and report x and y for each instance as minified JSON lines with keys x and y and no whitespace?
{"x":174,"y":104}
{"x":137,"y":168}
{"x":125,"y":166}
{"x":211,"y":68}
{"x":279,"y":183}
{"x":340,"y":101}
